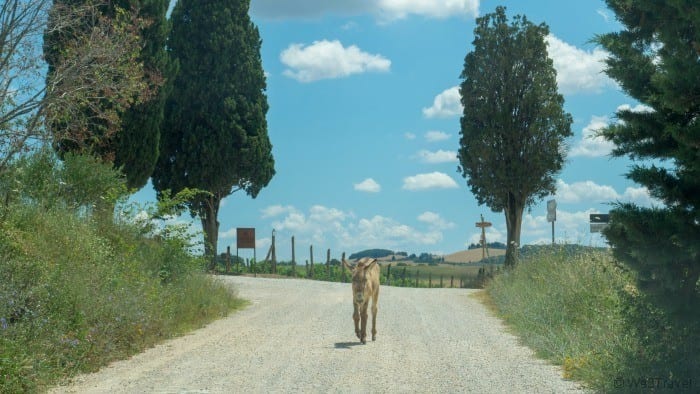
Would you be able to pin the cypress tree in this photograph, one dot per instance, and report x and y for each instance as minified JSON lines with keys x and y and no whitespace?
{"x":514,"y":126}
{"x":215,"y":131}
{"x":136,"y":145}
{"x":655,"y":59}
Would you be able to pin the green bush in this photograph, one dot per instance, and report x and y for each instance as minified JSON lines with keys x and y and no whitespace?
{"x":582,"y":311}
{"x":78,"y":290}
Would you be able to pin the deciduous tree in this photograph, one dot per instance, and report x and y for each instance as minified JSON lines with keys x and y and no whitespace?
{"x":514,"y":127}
{"x":21,"y":94}
{"x":97,"y":66}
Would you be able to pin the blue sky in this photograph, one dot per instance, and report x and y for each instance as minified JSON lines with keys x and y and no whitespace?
{"x":364,"y":122}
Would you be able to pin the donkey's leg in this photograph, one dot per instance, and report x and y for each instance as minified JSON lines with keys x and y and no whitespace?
{"x":363,"y":315}
{"x":374,"y":314}
{"x":356,"y":318}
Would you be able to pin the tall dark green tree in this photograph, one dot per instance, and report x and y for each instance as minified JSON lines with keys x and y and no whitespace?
{"x":656,"y":59}
{"x":119,"y":117}
{"x":215,"y":133}
{"x":137,"y":143}
{"x":514,"y":127}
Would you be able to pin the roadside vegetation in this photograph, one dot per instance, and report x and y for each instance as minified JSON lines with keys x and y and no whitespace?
{"x":79,"y":286}
{"x":580,"y":309}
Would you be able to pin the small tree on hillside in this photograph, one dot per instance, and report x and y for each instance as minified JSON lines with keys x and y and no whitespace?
{"x":655,"y":58}
{"x":215,"y":133}
{"x":514,"y":126}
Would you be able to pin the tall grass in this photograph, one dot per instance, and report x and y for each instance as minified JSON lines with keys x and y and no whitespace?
{"x":78,"y":290}
{"x":582,"y":311}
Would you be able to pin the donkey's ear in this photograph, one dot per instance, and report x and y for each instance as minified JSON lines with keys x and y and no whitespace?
{"x":371,"y":264}
{"x":346,"y":265}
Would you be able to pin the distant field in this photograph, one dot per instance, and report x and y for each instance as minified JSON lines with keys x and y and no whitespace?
{"x":465,"y":256}
{"x":430,"y":275}
{"x":472,"y":255}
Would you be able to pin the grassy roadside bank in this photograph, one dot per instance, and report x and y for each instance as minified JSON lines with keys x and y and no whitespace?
{"x":77,"y":292}
{"x":582,"y":311}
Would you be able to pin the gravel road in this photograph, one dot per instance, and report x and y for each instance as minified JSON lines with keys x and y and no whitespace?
{"x":298,"y":336}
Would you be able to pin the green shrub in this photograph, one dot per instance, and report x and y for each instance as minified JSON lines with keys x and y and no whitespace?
{"x":78,"y":290}
{"x":580,"y":309}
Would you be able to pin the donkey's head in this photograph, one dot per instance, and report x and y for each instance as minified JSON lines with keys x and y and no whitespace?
{"x":361,"y":284}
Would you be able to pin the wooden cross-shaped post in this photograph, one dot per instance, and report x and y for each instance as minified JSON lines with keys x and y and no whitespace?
{"x":482,"y":224}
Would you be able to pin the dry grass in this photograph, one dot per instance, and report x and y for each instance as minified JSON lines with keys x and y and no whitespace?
{"x":472,"y":255}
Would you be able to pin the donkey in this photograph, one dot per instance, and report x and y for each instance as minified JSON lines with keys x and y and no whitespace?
{"x":365,"y":285}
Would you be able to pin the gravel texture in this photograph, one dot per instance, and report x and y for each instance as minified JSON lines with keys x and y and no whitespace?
{"x":298,"y":336}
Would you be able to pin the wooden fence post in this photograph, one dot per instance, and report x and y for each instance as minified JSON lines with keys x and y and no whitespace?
{"x":228,"y":259}
{"x":388,"y":275}
{"x":311,"y":258}
{"x":452,"y":281}
{"x":430,"y":280}
{"x":441,"y":281}
{"x":294,"y":262}
{"x":404,"y":276}
{"x":328,"y":263}
{"x":274,"y":255}
{"x":416,"y":278}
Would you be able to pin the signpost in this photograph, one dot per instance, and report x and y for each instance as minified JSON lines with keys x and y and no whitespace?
{"x":245,"y":239}
{"x":552,"y":215}
{"x":482,"y":225}
{"x":599,"y":221}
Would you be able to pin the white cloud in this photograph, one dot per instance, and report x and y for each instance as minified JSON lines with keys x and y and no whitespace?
{"x":228,"y":234}
{"x":592,"y":145}
{"x":398,"y":9}
{"x":434,"y":180}
{"x":323,"y":225}
{"x":591,"y":192}
{"x":276,"y":210}
{"x":435,"y":220}
{"x":436,"y":136}
{"x":369,"y":185}
{"x":321,"y":214}
{"x":440,"y":156}
{"x":445,"y":105}
{"x":578,"y":70}
{"x":587,"y":191}
{"x":603,"y":14}
{"x":263,"y":243}
{"x":385,"y":10}
{"x":329,"y":59}
{"x":640,"y":196}
{"x":639,"y":108}
{"x":378,"y":230}
{"x":410,"y":136}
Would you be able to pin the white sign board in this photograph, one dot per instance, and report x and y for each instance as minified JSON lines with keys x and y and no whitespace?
{"x":551,"y":210}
